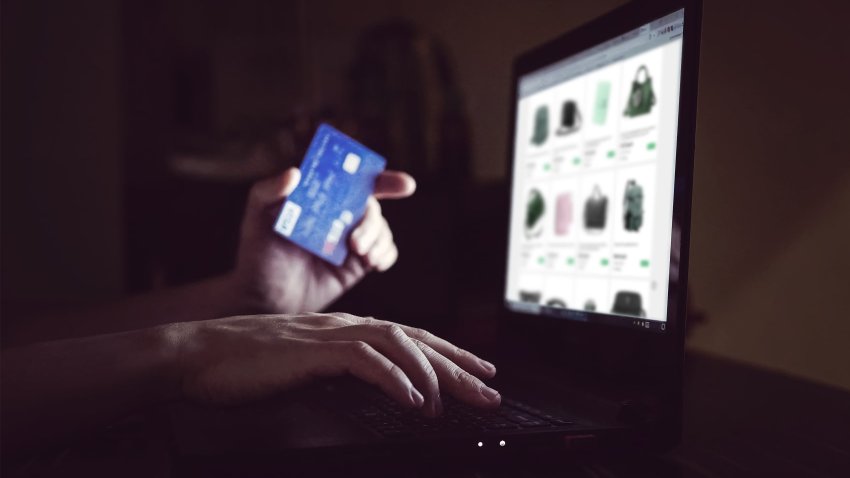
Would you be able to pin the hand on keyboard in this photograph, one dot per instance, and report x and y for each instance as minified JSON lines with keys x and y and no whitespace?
{"x":240,"y":358}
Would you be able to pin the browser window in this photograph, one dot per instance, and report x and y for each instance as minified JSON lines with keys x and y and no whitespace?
{"x":592,"y":192}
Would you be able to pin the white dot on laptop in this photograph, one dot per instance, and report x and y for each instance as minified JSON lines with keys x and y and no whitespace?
{"x":501,"y":442}
{"x":480,"y":444}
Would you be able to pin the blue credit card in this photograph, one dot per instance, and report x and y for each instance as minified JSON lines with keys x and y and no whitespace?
{"x":337,"y":176}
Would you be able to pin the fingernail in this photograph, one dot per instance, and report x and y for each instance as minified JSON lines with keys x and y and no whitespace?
{"x":416,"y":397}
{"x":487,"y":365}
{"x":490,"y":394}
{"x":438,"y":406}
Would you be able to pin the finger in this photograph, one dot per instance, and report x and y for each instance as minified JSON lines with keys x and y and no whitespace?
{"x":394,"y":185}
{"x":366,"y":233}
{"x":272,"y":190}
{"x":388,"y":259}
{"x":364,"y":362}
{"x":391,"y":341}
{"x":458,"y":382}
{"x":467,"y":360}
{"x":381,"y":247}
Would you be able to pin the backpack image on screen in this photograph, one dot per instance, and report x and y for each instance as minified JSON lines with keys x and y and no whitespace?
{"x":628,"y":303}
{"x":600,"y":106}
{"x":563,"y":213}
{"x":642,"y":98}
{"x":633,"y":206}
{"x":595,"y":210}
{"x":570,"y":118}
{"x":534,"y":213}
{"x":541,"y":126}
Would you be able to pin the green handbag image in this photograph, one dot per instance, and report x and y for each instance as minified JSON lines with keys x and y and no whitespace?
{"x":541,"y":126}
{"x":633,"y":206}
{"x":600,"y":105}
{"x":642,"y":98}
{"x":534,"y":213}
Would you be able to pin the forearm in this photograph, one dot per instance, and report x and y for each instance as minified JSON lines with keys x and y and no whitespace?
{"x":55,"y":390}
{"x":211,"y":298}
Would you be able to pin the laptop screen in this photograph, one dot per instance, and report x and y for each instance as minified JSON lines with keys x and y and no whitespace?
{"x":593,"y":173}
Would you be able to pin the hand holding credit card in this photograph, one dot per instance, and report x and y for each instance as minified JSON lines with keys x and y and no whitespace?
{"x":337,"y":177}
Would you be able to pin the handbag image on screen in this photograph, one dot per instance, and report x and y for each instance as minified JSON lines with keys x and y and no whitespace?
{"x":590,"y":305}
{"x":570,"y":118}
{"x":556,"y":303}
{"x":534,"y":213}
{"x":600,"y":106}
{"x":531,"y":297}
{"x":595,"y":210}
{"x":563,"y":213}
{"x":633,"y":206}
{"x":628,"y":303}
{"x":642,"y":98}
{"x":541,"y":126}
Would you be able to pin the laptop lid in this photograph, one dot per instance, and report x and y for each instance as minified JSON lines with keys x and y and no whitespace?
{"x":600,"y":166}
{"x":601,"y":158}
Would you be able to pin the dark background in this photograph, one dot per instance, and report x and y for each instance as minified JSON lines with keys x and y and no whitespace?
{"x":131,"y":131}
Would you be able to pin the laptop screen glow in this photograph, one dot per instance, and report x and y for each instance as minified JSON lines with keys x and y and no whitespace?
{"x":592,"y":192}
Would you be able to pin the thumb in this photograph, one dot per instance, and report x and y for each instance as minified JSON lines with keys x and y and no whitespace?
{"x":273,"y":190}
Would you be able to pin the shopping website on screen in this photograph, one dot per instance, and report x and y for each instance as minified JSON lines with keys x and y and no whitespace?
{"x":592,"y":192}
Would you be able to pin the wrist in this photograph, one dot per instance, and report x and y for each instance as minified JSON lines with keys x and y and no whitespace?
{"x":250,"y":296}
{"x":173,"y":344}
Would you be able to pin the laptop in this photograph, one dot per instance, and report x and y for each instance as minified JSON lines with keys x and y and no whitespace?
{"x":593,"y":306}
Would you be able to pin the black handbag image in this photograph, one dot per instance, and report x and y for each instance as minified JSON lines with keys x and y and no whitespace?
{"x":633,"y":206}
{"x":534,"y":213}
{"x":628,"y":303}
{"x":642,"y":98}
{"x":531,"y":297}
{"x":541,"y":126}
{"x":570,"y":118}
{"x":595,"y":210}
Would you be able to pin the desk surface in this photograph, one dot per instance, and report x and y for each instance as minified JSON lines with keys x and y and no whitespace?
{"x":739,"y":421}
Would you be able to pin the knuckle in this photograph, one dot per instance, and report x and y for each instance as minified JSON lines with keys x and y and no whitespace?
{"x":394,"y":332}
{"x":421,"y":334}
{"x":360,"y":348}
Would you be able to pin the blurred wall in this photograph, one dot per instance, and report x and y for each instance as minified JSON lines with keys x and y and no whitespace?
{"x":61,"y":149}
{"x":771,"y":220}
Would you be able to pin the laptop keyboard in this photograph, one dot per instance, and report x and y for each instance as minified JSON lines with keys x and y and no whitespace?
{"x":389,"y":419}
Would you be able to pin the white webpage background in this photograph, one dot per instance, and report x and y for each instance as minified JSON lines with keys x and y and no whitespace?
{"x":571,"y":267}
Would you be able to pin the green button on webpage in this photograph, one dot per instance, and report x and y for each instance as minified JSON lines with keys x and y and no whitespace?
{"x":644,"y":263}
{"x":571,"y":261}
{"x":576,"y":160}
{"x":611,"y":154}
{"x":604,"y":262}
{"x":547,"y":167}
{"x":650,"y":146}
